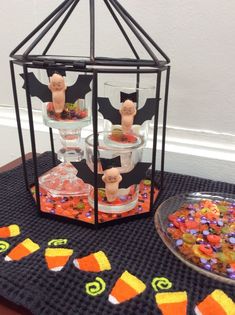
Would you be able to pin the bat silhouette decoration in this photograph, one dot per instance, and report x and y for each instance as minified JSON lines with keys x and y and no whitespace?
{"x":78,"y":90}
{"x":128,"y":96}
{"x":109,"y":163}
{"x":133,"y":177}
{"x":113,"y":114}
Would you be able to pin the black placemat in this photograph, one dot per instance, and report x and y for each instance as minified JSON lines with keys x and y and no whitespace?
{"x":133,"y":246}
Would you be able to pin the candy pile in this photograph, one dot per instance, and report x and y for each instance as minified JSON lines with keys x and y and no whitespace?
{"x":119,"y":136}
{"x":72,"y":111}
{"x":204,"y":233}
{"x":78,"y":207}
{"x":120,"y":200}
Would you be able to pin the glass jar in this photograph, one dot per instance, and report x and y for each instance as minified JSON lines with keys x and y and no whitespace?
{"x":62,"y":181}
{"x":119,"y":92}
{"x":130,"y":154}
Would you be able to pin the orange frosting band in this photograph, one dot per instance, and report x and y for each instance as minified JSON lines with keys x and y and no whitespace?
{"x":174,"y":308}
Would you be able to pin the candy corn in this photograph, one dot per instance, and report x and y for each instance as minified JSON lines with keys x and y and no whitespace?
{"x":22,"y":250}
{"x":94,"y":262}
{"x":126,"y":288}
{"x":9,"y":231}
{"x":56,"y":258}
{"x":217,"y":303}
{"x":172,"y":303}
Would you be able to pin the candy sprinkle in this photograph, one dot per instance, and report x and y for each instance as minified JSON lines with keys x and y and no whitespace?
{"x":232,"y":240}
{"x":179,"y":242}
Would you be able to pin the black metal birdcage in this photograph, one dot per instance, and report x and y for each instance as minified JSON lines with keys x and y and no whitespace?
{"x":157,"y":64}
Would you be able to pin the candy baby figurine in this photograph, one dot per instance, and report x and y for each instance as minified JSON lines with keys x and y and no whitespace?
{"x":128,"y":112}
{"x":58,"y":87}
{"x":111,"y":178}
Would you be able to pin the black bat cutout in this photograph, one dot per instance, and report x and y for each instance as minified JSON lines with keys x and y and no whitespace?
{"x":113,"y":114}
{"x":133,"y":177}
{"x":109,"y":163}
{"x":78,"y":90}
{"x":50,"y":72}
{"x":128,"y":96}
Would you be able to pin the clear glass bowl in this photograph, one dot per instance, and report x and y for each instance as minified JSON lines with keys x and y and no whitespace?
{"x":74,"y":116}
{"x":174,"y":203}
{"x":130,"y":154}
{"x":113,"y":91}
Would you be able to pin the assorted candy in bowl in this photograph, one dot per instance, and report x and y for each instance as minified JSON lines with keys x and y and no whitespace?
{"x":71,"y":111}
{"x":199,"y":228}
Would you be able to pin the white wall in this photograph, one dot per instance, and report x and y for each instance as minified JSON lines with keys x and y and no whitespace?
{"x":199,"y":38}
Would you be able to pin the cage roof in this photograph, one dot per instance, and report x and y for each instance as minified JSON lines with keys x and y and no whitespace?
{"x":156,"y":56}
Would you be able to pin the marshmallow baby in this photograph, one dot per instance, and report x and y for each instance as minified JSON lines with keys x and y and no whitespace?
{"x":111,"y":178}
{"x":128,"y":112}
{"x":58,"y":87}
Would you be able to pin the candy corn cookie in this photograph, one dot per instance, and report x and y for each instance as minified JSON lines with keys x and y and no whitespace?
{"x":22,"y":250}
{"x":216,"y":303}
{"x":172,"y":303}
{"x":9,"y":231}
{"x":57,"y":258}
{"x":126,"y":288}
{"x":94,"y":262}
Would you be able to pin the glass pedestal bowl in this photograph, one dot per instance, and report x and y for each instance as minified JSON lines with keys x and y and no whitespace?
{"x":201,"y":233}
{"x":69,"y":123}
{"x":73,"y":115}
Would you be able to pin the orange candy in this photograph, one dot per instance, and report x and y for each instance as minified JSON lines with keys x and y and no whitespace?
{"x":233,"y":266}
{"x":213,"y":239}
{"x":206,"y":249}
{"x":208,"y":204}
{"x":175,"y":233}
{"x":191,"y":225}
